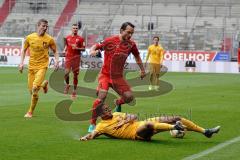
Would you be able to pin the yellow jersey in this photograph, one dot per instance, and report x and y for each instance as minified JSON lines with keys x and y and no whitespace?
{"x":39,"y":48}
{"x":108,"y":127}
{"x":155,"y":54}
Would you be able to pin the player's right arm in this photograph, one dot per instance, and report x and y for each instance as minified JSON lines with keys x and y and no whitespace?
{"x":25,"y":47}
{"x":64,"y":45}
{"x":148,"y":54}
{"x":90,"y":136}
{"x":94,"y":50}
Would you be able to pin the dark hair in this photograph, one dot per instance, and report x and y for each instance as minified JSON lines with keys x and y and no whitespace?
{"x":41,"y":21}
{"x":99,"y":109}
{"x":75,"y":24}
{"x":124,"y":25}
{"x":156,"y":37}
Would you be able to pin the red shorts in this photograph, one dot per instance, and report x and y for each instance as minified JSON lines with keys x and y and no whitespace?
{"x":73,"y":63}
{"x":119,"y":85}
{"x":238,"y":57}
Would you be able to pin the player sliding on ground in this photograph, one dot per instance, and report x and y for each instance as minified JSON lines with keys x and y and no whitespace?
{"x":126,"y":126}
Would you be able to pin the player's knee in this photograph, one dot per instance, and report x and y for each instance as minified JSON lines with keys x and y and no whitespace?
{"x":128,"y":98}
{"x":35,"y":91}
{"x":66,"y":74}
{"x":102,"y":95}
{"x":75,"y":74}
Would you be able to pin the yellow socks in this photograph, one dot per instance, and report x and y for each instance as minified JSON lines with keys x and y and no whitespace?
{"x":162,"y":126}
{"x":34,"y":101}
{"x":192,"y":126}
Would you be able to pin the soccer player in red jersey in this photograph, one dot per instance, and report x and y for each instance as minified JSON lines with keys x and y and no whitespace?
{"x":74,"y":44}
{"x":116,"y":50}
{"x":239,"y":57}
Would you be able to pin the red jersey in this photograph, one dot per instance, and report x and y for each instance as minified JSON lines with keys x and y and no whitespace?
{"x":71,"y":40}
{"x":238,"y":55}
{"x":115,"y":55}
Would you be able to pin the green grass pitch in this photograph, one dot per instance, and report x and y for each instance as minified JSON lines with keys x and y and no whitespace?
{"x":213,"y":99}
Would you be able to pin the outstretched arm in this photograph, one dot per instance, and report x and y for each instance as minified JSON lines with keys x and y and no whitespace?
{"x":90,"y":136}
{"x":93,"y":50}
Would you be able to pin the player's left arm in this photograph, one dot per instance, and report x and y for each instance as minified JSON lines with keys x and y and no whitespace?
{"x":161,"y":55}
{"x":53,"y":47}
{"x":138,"y":59}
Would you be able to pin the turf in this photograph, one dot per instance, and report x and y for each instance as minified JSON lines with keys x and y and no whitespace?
{"x":208,"y":99}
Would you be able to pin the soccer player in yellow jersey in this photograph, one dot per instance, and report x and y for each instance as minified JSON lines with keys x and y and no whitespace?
{"x":155,"y":54}
{"x":38,"y":44}
{"x":126,"y":126}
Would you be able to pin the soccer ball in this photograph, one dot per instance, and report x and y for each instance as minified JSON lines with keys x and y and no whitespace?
{"x":177,"y":134}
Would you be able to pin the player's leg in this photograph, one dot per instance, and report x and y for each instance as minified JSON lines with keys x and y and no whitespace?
{"x":189,"y":125}
{"x":124,"y":90}
{"x":31,"y":77}
{"x":66,"y":75}
{"x":45,"y":86}
{"x":151,"y":79}
{"x":157,"y":70}
{"x":36,"y":85}
{"x":147,"y":129}
{"x":102,"y":91}
{"x":75,"y":69}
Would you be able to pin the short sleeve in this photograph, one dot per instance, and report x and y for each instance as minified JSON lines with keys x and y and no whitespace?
{"x":134,"y":50}
{"x":26,"y":43}
{"x":53,"y":44}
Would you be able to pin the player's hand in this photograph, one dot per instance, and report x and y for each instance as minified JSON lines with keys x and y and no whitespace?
{"x":56,"y":65}
{"x":20,"y":67}
{"x":142,"y":74}
{"x":83,"y":138}
{"x":120,"y":124}
{"x":93,"y":52}
{"x":74,"y":46}
{"x":145,"y":65}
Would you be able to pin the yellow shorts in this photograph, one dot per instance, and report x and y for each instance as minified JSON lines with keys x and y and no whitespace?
{"x":155,"y":68}
{"x":146,"y":133}
{"x":36,"y":77}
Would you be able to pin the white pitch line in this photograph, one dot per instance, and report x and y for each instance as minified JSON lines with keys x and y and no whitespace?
{"x":213,"y":149}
